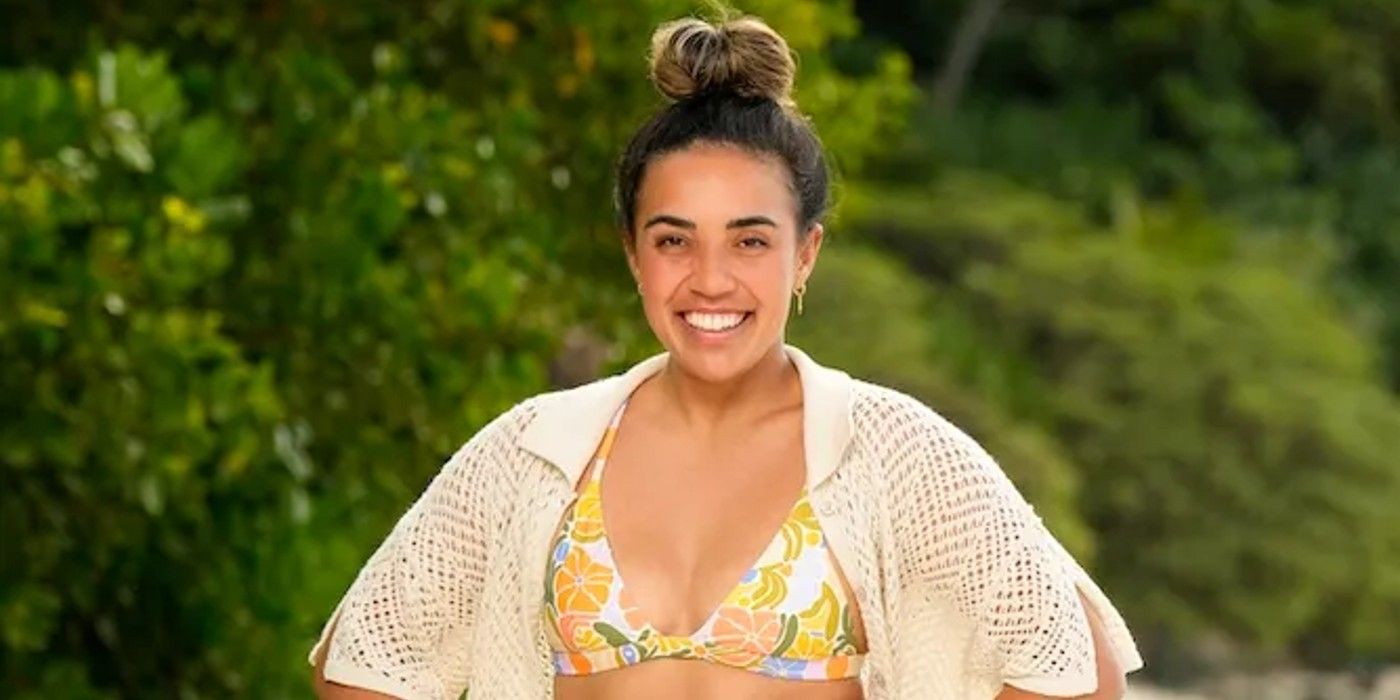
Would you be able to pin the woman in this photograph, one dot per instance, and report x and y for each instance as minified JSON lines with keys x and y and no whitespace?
{"x":783,"y":530}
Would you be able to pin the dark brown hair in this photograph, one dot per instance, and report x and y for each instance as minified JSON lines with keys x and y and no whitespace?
{"x":729,"y":83}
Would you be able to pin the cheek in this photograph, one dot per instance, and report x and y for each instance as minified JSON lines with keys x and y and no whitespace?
{"x":661,"y":275}
{"x":769,"y":280}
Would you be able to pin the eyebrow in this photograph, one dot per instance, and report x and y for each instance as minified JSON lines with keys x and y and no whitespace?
{"x":741,"y":222}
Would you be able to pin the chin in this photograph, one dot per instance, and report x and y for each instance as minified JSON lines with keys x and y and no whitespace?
{"x":712,"y":369}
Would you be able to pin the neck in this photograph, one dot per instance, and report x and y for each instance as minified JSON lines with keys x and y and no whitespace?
{"x":704,"y":405}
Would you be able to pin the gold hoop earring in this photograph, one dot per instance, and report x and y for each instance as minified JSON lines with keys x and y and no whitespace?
{"x":801,"y":289}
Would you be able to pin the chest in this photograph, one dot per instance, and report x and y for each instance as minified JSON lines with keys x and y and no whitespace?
{"x":684,"y":520}
{"x":847,"y":506}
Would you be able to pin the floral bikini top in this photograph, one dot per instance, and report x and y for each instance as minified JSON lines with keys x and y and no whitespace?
{"x":788,"y":616}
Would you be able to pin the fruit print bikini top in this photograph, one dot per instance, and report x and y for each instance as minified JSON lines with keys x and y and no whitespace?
{"x":787,"y":617}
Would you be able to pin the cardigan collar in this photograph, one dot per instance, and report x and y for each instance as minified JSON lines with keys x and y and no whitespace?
{"x":569,"y":424}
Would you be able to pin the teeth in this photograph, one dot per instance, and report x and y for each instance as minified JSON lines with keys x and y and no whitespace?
{"x":714,"y":322}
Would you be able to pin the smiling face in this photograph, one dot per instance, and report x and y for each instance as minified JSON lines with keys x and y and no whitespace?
{"x":717,"y":244}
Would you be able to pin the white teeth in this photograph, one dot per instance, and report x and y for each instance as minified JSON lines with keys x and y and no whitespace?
{"x":714,"y":322}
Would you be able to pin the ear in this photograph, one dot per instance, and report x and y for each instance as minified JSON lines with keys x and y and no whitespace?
{"x":807,"y":254}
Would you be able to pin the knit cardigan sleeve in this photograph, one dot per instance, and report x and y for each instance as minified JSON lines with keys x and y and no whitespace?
{"x":404,"y":626}
{"x":966,"y":532}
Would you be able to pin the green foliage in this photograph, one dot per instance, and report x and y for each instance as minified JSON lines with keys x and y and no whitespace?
{"x":1283,"y":115}
{"x":260,"y":281}
{"x":266,"y":265}
{"x":931,"y":349}
{"x":1234,"y":448}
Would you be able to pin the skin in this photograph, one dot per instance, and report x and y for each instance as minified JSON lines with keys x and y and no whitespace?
{"x":719,"y":430}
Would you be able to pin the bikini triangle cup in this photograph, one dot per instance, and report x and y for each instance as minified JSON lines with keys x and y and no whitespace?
{"x":787,"y":617}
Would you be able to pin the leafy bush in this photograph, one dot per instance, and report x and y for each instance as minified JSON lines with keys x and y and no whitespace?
{"x":265,"y":268}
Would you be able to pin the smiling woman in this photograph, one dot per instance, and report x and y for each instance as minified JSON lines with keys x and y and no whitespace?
{"x":714,"y":257}
{"x":784,"y":530}
{"x":720,"y":195}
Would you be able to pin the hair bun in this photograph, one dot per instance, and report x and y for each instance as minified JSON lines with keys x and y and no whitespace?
{"x":690,"y":56}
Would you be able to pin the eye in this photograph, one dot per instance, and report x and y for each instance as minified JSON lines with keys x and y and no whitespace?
{"x":662,"y":241}
{"x":760,"y":243}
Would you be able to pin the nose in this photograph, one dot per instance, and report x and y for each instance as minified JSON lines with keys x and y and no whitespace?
{"x":711,"y":275}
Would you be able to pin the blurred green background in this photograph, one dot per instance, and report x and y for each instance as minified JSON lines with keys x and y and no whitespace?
{"x":267,"y":264}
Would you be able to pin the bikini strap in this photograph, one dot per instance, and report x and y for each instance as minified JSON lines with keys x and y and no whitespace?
{"x":609,"y":437}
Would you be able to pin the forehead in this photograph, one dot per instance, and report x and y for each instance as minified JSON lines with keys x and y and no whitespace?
{"x":717,"y":181}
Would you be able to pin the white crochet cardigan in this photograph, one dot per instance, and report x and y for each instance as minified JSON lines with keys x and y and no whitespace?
{"x":960,"y":585}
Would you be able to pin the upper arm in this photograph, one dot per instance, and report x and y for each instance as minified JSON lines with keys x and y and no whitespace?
{"x":966,"y":532}
{"x":404,"y":626}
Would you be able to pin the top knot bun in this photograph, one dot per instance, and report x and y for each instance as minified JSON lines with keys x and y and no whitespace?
{"x":690,"y":56}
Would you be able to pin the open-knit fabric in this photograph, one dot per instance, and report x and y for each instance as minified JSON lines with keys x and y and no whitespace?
{"x":960,"y":586}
